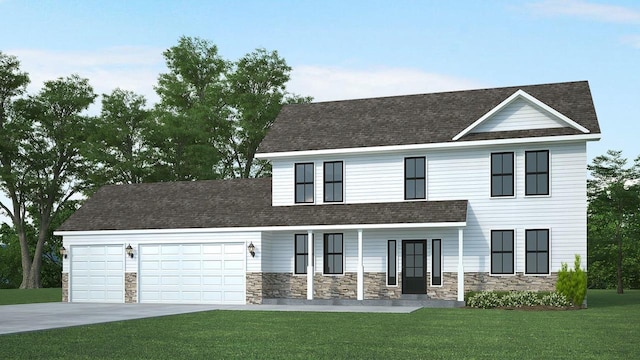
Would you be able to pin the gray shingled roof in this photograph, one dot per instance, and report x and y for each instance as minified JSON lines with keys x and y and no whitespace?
{"x":237,"y":203}
{"x":416,"y":119}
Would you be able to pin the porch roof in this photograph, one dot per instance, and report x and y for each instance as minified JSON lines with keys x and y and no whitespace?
{"x":239,"y":203}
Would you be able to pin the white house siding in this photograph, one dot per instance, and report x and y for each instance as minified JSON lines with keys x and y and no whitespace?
{"x":455,"y":174}
{"x":519,"y":115}
{"x":281,"y":260}
{"x":465,"y":174}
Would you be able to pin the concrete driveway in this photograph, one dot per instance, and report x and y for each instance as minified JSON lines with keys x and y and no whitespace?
{"x":42,"y":316}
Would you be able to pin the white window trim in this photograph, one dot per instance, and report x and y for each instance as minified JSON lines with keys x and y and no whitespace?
{"x":515,"y":175}
{"x":430,"y":263}
{"x":344,"y":256}
{"x":293,"y":202}
{"x":344,"y":182}
{"x":386,"y":271}
{"x":524,"y":173}
{"x":515,"y":253}
{"x":524,"y":271}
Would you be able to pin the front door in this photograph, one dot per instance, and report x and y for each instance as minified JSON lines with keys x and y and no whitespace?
{"x":414,"y":266}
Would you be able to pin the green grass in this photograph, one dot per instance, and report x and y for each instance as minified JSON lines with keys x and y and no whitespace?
{"x":610,"y":328}
{"x":28,"y":296}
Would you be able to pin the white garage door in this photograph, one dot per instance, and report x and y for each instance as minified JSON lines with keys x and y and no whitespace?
{"x":192,"y":273}
{"x":97,"y":273}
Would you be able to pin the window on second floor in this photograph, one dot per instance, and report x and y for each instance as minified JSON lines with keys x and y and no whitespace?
{"x":502,"y":174}
{"x":414,"y":178}
{"x":537,"y":172}
{"x":304,"y":183}
{"x":333,"y":181}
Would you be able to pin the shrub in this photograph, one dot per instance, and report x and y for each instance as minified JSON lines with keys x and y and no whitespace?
{"x":484,"y":300}
{"x":521,"y":298}
{"x":572,"y":283}
{"x":555,"y":299}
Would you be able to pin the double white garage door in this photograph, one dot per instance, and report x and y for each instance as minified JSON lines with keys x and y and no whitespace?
{"x":167,"y":273}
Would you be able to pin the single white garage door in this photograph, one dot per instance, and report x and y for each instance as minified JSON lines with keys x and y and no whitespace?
{"x":192,"y":273}
{"x":97,"y":273}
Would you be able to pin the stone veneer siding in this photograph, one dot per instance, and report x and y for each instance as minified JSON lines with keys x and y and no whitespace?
{"x":65,"y":287}
{"x":288,"y":286}
{"x":130,"y":287}
{"x":254,"y":287}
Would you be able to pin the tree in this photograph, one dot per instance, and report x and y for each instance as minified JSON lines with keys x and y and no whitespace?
{"x":614,"y":206}
{"x":41,"y":168}
{"x":257,"y":91}
{"x":214,"y":113}
{"x":118,"y":145}
{"x":192,"y":113}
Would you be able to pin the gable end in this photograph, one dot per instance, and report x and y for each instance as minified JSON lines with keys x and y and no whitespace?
{"x":520,"y":103}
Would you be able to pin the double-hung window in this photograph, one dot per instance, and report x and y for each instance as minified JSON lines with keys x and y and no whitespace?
{"x":301,"y":249}
{"x":537,"y":172}
{"x":333,"y":181}
{"x":414,"y":178}
{"x":304,"y":183}
{"x":537,"y":249}
{"x":502,"y":252}
{"x":333,"y":254}
{"x":502,"y":174}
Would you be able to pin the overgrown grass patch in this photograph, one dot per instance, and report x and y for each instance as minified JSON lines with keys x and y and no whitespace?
{"x":605,"y":330}
{"x":28,"y":296}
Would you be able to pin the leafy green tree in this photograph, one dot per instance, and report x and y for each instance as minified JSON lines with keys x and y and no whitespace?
{"x":613,"y":215}
{"x":40,"y":171}
{"x":118,"y":145}
{"x":257,"y":91}
{"x":10,"y":270}
{"x":192,"y":113}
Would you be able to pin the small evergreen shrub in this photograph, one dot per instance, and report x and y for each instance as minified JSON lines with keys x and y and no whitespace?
{"x":572,"y":283}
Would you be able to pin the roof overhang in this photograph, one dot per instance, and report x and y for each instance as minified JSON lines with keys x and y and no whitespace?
{"x":435,"y":146}
{"x":265,"y":228}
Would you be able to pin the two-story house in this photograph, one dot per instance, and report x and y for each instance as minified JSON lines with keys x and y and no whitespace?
{"x":432,"y":194}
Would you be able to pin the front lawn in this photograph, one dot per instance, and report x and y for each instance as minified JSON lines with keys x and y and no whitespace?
{"x":28,"y":296}
{"x":608,"y":329}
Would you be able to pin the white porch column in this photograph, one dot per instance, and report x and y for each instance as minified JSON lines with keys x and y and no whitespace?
{"x":460,"y":265}
{"x":310,"y":270}
{"x":360,"y":292}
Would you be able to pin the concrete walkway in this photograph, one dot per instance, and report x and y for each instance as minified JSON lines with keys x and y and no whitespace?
{"x":32,"y":317}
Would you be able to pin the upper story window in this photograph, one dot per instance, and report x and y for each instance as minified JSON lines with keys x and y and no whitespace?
{"x":333,"y":254}
{"x":537,"y":172}
{"x":304,"y":183}
{"x":502,"y":174}
{"x":537,"y":249}
{"x":502,"y":252}
{"x":414,"y":178}
{"x":333,"y":180}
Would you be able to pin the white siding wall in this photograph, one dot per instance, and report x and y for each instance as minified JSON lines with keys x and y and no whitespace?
{"x":465,"y":174}
{"x":131,"y":265}
{"x":374,"y":254}
{"x":519,"y":115}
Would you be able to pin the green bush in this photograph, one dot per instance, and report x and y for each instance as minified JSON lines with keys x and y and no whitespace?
{"x":572,"y":283}
{"x":492,"y":299}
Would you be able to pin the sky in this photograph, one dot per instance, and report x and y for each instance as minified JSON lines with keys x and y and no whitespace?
{"x":350,"y":49}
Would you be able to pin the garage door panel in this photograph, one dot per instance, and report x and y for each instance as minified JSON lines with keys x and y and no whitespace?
{"x":192,"y":273}
{"x":97,"y":273}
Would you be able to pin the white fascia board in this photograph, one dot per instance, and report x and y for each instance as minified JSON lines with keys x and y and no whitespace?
{"x":522,"y":94}
{"x":264,"y":228}
{"x":417,"y":147}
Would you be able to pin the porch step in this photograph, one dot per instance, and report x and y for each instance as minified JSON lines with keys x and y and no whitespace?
{"x":418,"y":302}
